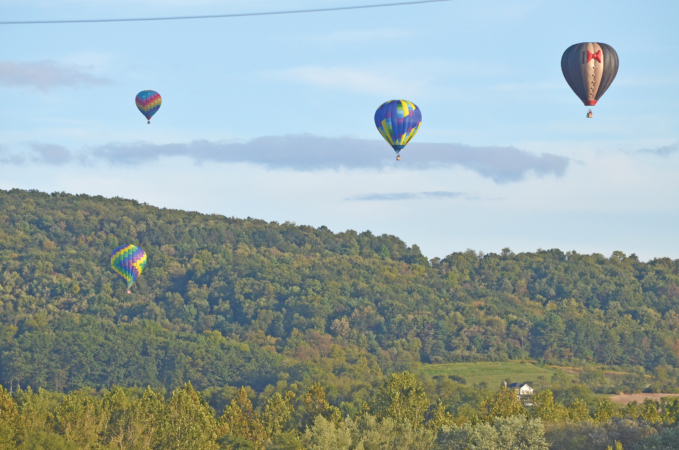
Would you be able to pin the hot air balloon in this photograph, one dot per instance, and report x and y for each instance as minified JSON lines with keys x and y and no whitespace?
{"x":589,"y":69}
{"x":128,"y":261}
{"x":148,"y":103}
{"x":398,"y":121}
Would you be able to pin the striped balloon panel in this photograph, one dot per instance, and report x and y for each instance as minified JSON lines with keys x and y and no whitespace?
{"x":589,"y":68}
{"x":398,"y":121}
{"x":128,"y":261}
{"x":148,"y":103}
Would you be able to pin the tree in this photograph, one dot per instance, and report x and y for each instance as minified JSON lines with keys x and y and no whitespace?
{"x":240,"y":420}
{"x":604,"y":412}
{"x":36,"y":409}
{"x":578,"y":412}
{"x":629,"y":433}
{"x":630,"y":411}
{"x":81,"y":419}
{"x":315,"y":404}
{"x":133,"y":421}
{"x":401,"y":398}
{"x":609,"y":349}
{"x":186,"y":422}
{"x":649,"y":411}
{"x":439,"y":417}
{"x":326,"y":435}
{"x":41,"y":440}
{"x":371,"y":433}
{"x":518,"y":432}
{"x":285,"y":441}
{"x":511,"y":433}
{"x":666,"y":439}
{"x":278,"y":413}
{"x":520,"y":330}
{"x":545,"y":408}
{"x":228,"y":302}
{"x":10,"y":421}
{"x":505,"y":404}
{"x":671,"y":411}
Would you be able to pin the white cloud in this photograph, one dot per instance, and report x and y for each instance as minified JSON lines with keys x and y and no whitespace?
{"x":432,"y":195}
{"x":46,"y":75}
{"x":308,"y":153}
{"x":665,"y":150}
{"x":51,"y":154}
{"x":438,"y":195}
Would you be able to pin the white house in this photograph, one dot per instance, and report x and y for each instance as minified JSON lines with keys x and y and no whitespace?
{"x":522,"y":389}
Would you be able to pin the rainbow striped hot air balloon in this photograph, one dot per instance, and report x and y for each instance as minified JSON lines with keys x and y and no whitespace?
{"x":398,"y":121}
{"x":128,"y":261}
{"x":148,"y":103}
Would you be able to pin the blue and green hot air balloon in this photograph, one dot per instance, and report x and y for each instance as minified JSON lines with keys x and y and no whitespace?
{"x":398,"y":121}
{"x":128,"y":261}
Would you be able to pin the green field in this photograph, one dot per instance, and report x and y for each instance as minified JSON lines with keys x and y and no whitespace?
{"x":493,"y":373}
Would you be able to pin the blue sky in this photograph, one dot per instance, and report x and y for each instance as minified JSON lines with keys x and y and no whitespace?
{"x":271,"y":117}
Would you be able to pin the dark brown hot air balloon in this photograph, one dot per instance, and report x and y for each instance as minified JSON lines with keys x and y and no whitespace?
{"x":589,"y":69}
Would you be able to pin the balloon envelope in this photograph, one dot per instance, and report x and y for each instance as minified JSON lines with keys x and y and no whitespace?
{"x":398,"y":121}
{"x":128,"y":261}
{"x":589,"y":69}
{"x":148,"y":103}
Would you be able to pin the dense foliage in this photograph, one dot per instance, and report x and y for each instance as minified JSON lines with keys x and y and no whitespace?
{"x":296,"y":337}
{"x":398,"y":416}
{"x":231,"y":302}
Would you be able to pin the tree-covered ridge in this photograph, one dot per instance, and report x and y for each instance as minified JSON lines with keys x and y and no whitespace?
{"x":231,"y":302}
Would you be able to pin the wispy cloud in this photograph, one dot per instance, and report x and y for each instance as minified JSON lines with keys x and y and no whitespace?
{"x":50,"y":154}
{"x":666,"y":150}
{"x":7,"y":157}
{"x":308,"y":153}
{"x":502,"y":164}
{"x":404,"y":196}
{"x":46,"y":75}
{"x":436,"y":195}
{"x":38,"y":153}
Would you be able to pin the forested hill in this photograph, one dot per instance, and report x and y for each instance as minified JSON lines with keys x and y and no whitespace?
{"x":226,"y":301}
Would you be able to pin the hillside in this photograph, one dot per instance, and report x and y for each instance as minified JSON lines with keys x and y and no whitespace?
{"x":230,"y":302}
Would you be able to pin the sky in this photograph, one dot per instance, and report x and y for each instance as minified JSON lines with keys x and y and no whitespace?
{"x":272,"y":117}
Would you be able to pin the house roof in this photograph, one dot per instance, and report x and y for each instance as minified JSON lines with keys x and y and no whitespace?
{"x":518,"y":385}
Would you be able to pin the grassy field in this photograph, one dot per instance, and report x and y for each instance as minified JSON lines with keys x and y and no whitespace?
{"x":492,"y":373}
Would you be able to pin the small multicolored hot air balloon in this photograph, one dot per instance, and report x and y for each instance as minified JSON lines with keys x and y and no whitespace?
{"x":398,"y":121}
{"x":128,"y":261}
{"x":148,"y":103}
{"x":589,"y":69}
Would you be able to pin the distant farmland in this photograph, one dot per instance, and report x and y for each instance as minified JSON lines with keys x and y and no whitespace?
{"x":624,"y":399}
{"x":493,"y":373}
